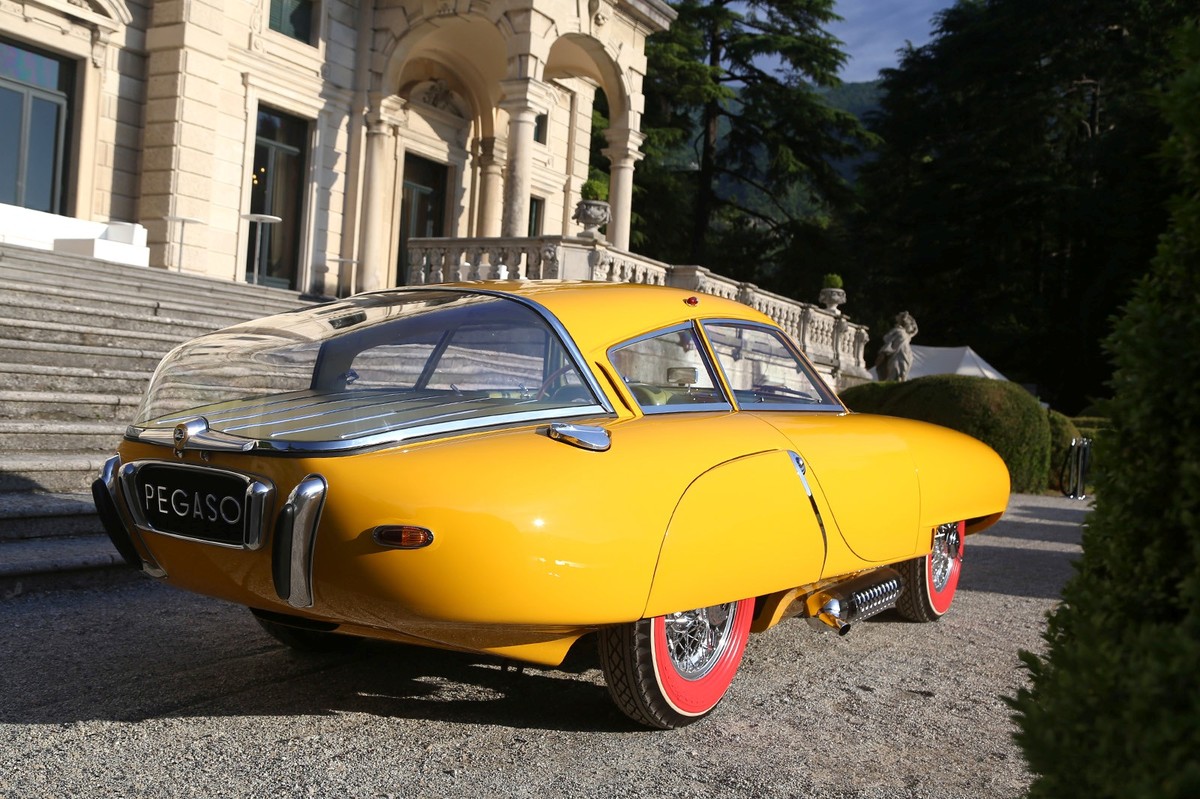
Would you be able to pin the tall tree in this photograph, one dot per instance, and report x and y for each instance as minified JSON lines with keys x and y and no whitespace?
{"x":739,"y":137}
{"x":1016,"y":198}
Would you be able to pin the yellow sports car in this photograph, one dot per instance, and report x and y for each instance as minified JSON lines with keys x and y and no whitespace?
{"x":507,"y":467}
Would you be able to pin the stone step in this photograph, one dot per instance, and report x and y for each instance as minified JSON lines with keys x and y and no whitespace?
{"x":55,"y":269}
{"x":25,"y":351}
{"x":67,"y":405}
{"x":216,"y":307}
{"x":25,"y":309}
{"x":31,"y":377}
{"x":78,"y":341}
{"x":32,"y":514}
{"x":40,"y":564}
{"x":40,"y":435}
{"x":88,"y":336}
{"x":54,"y":473}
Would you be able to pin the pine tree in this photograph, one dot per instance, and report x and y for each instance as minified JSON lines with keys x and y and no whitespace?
{"x":739,"y":136}
{"x":1017,"y":197}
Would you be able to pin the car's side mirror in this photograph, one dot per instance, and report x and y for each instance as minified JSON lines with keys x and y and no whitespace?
{"x":584,"y":436}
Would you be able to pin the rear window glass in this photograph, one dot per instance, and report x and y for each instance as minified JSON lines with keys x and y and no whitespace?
{"x":372,"y":365}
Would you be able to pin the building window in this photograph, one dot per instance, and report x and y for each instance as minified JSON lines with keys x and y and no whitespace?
{"x":293,"y":18}
{"x":36,"y":92}
{"x":277,"y":189}
{"x":540,"y":123}
{"x":537,"y":213}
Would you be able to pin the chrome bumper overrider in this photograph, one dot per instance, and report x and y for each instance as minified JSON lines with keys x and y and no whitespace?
{"x":295,"y":540}
{"x":120,"y":528}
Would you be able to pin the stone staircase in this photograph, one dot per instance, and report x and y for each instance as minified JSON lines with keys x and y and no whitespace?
{"x":79,"y":339}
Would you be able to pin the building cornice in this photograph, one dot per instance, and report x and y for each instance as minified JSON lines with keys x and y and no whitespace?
{"x":656,"y":14}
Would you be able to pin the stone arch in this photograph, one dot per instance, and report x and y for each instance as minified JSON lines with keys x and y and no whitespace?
{"x":581,"y":56}
{"x":461,"y":51}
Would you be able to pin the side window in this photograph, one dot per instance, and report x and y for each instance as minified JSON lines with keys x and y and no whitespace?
{"x":515,"y":362}
{"x":480,"y":358}
{"x":668,"y":372}
{"x":761,"y":368}
{"x":389,"y":365}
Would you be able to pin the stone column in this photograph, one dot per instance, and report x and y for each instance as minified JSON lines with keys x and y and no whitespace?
{"x":524,"y":99}
{"x":490,"y":187}
{"x":373,"y":269}
{"x":622,"y":153}
{"x":187,"y":67}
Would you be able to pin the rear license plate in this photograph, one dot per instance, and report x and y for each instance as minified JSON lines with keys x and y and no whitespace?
{"x":191,"y":502}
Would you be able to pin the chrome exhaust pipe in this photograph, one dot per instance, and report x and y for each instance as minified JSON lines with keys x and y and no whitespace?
{"x":836,"y":607}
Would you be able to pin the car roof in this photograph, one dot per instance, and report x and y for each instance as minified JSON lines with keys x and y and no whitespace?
{"x":599,"y":314}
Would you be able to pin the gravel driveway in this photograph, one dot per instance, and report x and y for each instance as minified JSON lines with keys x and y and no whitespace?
{"x":141,"y":690}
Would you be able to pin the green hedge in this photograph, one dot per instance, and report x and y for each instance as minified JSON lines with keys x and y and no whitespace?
{"x":1113,"y":705}
{"x":1092,"y":427}
{"x":1001,"y":414}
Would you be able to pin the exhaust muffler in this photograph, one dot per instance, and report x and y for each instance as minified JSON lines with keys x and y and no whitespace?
{"x":838,"y":606}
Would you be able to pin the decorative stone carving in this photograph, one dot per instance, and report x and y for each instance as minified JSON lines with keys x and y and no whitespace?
{"x":598,"y":13}
{"x":592,"y":214}
{"x":99,"y":47}
{"x":438,"y":95}
{"x":895,"y":356}
{"x":549,"y":260}
{"x":256,"y":28}
{"x":831,"y":298}
{"x":602,"y":263}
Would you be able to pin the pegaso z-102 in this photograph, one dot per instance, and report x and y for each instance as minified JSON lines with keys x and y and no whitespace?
{"x":507,"y":467}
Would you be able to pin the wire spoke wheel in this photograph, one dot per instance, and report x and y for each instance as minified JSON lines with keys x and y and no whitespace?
{"x":671,"y":670}
{"x":931,"y":581}
{"x":695,"y":639}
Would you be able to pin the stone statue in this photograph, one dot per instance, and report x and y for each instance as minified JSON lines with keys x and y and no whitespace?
{"x":895,"y":357}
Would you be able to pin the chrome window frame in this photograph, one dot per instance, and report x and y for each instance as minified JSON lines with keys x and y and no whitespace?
{"x":801,"y":358}
{"x":706,"y":357}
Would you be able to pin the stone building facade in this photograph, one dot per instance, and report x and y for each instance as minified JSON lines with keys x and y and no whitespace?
{"x":356,"y":124}
{"x":335,"y":146}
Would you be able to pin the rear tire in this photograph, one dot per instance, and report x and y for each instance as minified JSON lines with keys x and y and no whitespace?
{"x":672,"y":670}
{"x":930,"y":582}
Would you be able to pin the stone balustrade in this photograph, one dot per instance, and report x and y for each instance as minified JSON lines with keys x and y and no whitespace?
{"x":834,"y":344}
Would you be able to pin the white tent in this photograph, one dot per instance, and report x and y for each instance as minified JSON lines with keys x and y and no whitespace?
{"x":950,"y":361}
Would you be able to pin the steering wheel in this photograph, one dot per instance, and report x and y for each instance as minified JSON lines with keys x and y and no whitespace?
{"x":545,"y":386}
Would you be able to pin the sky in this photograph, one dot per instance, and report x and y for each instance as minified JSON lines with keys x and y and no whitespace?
{"x":873,"y":30}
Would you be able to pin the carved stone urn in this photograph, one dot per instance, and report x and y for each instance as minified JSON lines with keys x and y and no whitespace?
{"x":831,"y":298}
{"x":592,"y":214}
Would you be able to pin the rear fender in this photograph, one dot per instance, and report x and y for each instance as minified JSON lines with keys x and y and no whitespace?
{"x":743,"y":528}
